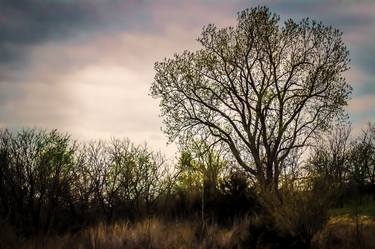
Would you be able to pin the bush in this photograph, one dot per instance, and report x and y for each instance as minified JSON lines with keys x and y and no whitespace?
{"x":292,"y":217}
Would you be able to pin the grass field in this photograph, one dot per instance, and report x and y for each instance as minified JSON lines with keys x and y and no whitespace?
{"x":341,"y":232}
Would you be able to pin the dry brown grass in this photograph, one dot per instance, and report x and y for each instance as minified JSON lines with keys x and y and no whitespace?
{"x":150,"y":233}
{"x":341,"y":232}
{"x":346,"y":232}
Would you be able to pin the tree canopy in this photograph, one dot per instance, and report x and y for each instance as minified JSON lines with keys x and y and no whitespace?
{"x":261,"y":88}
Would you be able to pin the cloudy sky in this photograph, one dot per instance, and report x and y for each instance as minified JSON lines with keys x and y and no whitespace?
{"x":85,"y":66}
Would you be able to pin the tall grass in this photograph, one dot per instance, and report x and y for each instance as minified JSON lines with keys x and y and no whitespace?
{"x":149,"y":233}
{"x":347,"y":232}
{"x":340,"y":233}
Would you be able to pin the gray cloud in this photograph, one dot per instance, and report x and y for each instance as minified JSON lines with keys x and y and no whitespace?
{"x":364,"y":57}
{"x":25,"y":22}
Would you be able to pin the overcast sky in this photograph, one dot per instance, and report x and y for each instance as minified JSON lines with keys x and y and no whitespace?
{"x":85,"y":66}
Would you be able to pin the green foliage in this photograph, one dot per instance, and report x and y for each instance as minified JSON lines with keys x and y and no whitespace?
{"x":189,"y":175}
{"x":200,"y":164}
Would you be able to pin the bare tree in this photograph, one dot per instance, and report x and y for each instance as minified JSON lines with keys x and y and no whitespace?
{"x":363,"y":159}
{"x":35,"y":174}
{"x":49,"y":182}
{"x":331,"y":154}
{"x":120,"y":173}
{"x":206,"y":162}
{"x":261,"y":89}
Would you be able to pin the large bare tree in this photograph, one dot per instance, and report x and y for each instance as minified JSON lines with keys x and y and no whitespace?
{"x":261,"y":88}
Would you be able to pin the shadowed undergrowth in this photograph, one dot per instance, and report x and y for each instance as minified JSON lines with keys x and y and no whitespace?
{"x":340,"y":232}
{"x":149,"y":233}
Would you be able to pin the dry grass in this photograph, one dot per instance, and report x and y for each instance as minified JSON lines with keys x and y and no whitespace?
{"x":344,"y":232}
{"x":347,"y":232}
{"x":150,"y":233}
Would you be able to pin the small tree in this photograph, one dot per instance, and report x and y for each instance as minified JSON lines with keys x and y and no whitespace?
{"x":259,"y":88}
{"x":363,"y":160}
{"x":119,"y":173}
{"x":207,"y":161}
{"x":201,"y":163}
{"x":330,"y":156}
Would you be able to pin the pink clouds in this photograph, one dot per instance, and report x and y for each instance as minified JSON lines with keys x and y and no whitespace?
{"x":364,"y":103}
{"x":193,"y":15}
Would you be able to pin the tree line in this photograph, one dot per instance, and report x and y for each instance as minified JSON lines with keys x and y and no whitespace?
{"x":347,"y":162}
{"x":52,"y":183}
{"x":49,"y":181}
